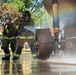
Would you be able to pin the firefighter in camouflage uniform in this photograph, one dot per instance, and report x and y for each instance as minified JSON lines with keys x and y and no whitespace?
{"x":24,"y":35}
{"x":9,"y":37}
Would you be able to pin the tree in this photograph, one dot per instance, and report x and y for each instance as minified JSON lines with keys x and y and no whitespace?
{"x":36,"y":8}
{"x":7,"y":8}
{"x":18,"y":4}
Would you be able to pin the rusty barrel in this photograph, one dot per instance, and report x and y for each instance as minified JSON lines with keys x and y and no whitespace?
{"x":45,"y":43}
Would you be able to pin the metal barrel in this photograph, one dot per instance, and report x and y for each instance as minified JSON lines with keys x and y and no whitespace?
{"x":45,"y":43}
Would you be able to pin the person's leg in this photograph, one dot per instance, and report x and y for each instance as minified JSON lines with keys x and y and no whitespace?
{"x":18,"y":49}
{"x":13,"y":45}
{"x":33,"y":50}
{"x":6,"y":50}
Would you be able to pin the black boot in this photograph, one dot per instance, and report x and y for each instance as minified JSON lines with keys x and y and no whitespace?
{"x":5,"y":58}
{"x":34,"y":55}
{"x":15,"y":58}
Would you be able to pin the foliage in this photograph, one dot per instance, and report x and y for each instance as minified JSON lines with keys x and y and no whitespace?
{"x":38,"y":12}
{"x":18,"y":4}
{"x":44,"y":20}
{"x":7,"y":8}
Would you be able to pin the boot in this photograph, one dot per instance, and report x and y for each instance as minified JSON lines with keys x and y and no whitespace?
{"x":15,"y":58}
{"x":34,"y":55}
{"x":5,"y":58}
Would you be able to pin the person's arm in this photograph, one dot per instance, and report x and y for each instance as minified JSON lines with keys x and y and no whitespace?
{"x":3,"y":29}
{"x":31,"y":22}
{"x":16,"y":30}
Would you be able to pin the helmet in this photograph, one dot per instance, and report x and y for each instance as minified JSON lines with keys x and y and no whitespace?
{"x":26,"y":13}
{"x":7,"y":16}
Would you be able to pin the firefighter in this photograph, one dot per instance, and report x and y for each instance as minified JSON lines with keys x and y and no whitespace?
{"x":55,"y":33}
{"x":56,"y":36}
{"x":9,"y":36}
{"x":24,"y":34}
{"x":26,"y":19}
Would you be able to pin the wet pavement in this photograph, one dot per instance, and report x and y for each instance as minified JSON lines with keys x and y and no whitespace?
{"x":26,"y":65}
